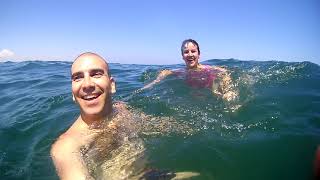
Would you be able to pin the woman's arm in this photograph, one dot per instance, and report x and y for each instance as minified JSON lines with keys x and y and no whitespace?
{"x":163,"y":74}
{"x":226,"y":86}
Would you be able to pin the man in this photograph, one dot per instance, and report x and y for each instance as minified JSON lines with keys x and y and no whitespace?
{"x":92,"y":87}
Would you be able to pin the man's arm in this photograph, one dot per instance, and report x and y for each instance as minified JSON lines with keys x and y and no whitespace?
{"x":66,"y":156}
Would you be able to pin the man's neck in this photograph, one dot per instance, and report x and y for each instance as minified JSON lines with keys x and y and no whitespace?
{"x":95,"y":120}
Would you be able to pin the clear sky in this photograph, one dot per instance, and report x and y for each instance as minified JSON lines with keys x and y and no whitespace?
{"x":151,"y":31}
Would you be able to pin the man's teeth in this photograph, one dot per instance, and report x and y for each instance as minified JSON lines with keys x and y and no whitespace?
{"x":90,"y":97}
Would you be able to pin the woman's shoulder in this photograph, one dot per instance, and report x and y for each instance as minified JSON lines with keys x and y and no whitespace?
{"x":219,"y":68}
{"x":206,"y":66}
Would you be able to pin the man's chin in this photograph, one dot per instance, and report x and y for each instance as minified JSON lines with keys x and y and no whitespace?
{"x":92,"y":112}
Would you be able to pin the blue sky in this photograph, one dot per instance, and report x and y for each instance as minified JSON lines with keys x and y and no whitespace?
{"x":151,"y":31}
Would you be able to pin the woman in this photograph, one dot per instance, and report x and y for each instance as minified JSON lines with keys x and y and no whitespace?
{"x":198,"y":75}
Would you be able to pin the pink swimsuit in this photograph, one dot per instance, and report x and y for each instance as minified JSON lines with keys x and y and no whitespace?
{"x":202,"y":78}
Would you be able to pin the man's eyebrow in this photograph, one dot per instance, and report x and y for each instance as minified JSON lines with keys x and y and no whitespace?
{"x":75,"y":74}
{"x":97,"y":70}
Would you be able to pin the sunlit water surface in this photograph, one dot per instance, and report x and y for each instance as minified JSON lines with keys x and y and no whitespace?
{"x":270,"y":131}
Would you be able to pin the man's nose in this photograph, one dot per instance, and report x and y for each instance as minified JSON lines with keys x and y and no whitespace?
{"x":88,"y":84}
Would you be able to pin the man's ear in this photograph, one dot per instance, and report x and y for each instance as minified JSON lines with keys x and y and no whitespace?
{"x":113,"y":85}
{"x":73,"y":98}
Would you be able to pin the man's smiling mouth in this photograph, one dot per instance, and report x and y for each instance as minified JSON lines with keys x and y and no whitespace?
{"x":90,"y":97}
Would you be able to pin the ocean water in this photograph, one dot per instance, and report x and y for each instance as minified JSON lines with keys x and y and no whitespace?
{"x":271,"y":131}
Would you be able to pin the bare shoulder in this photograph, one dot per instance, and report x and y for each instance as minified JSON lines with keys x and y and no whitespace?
{"x":67,"y":160}
{"x":220,"y":68}
{"x":58,"y":153}
{"x":63,"y":145}
{"x":120,"y":104}
{"x":121,"y":109}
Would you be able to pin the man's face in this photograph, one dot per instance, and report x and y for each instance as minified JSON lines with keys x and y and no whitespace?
{"x":190,"y":55}
{"x":91,"y":85}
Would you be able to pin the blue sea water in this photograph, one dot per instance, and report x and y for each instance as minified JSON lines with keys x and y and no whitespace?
{"x":271,"y":131}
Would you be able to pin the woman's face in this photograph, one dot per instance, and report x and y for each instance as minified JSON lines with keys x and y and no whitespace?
{"x":191,"y":55}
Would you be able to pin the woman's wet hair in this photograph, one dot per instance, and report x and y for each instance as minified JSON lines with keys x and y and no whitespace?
{"x":194,"y":42}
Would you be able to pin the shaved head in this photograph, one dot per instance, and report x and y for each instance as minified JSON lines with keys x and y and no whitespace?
{"x":89,"y":56}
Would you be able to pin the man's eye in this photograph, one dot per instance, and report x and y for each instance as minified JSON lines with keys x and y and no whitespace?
{"x":77,"y":78}
{"x":97,"y":75}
